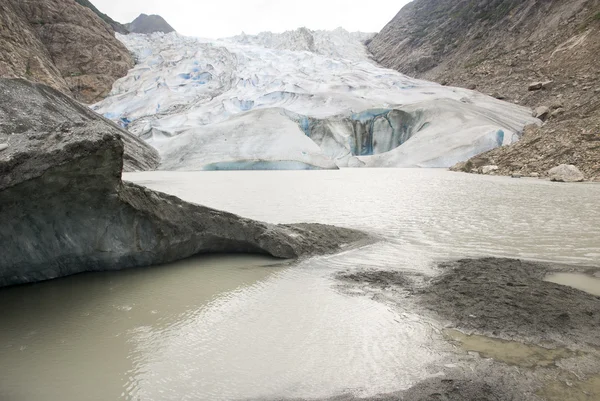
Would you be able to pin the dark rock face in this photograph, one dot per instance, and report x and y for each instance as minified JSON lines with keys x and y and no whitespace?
{"x":62,"y":44}
{"x":530,"y":52}
{"x":39,"y":122}
{"x":149,"y":24}
{"x":65,"y":210}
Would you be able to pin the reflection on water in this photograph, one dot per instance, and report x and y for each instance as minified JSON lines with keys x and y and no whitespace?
{"x":239,"y":327}
{"x":72,"y":339}
{"x":579,"y":281}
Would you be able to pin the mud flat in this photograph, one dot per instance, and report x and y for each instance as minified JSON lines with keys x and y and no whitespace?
{"x":513,"y":335}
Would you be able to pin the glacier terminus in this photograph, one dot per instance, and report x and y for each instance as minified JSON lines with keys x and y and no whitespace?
{"x":297,"y":100}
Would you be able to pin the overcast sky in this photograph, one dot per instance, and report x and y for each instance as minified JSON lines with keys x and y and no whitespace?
{"x":220,"y":18}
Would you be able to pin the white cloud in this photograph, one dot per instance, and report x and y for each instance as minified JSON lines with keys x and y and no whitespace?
{"x":230,"y":17}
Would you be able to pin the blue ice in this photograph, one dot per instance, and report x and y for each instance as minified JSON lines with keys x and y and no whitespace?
{"x":500,"y":137}
{"x":260,"y":165}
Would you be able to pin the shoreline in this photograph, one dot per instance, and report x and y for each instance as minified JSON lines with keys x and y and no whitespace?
{"x":511,"y":335}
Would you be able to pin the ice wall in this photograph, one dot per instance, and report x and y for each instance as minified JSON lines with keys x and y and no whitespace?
{"x":251,"y":102}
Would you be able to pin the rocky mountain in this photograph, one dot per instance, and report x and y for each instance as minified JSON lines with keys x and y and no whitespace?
{"x":62,"y":44}
{"x":542,"y":54}
{"x":149,"y":24}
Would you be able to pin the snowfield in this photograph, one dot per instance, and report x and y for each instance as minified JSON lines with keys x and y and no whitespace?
{"x":297,"y":100}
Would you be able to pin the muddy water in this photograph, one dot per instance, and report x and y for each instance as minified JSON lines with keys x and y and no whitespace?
{"x":509,"y":352}
{"x":580,"y":281}
{"x":226,"y":328}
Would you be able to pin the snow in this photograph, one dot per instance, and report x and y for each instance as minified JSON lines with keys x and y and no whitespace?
{"x":301,"y":99}
{"x":337,"y":44}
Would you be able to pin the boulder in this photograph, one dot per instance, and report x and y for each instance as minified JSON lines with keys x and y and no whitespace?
{"x":566,"y":173}
{"x":534,"y":86}
{"x":3,"y":146}
{"x":541,"y":112}
{"x":557,"y":112}
{"x":488,"y":169}
{"x":547,"y":85}
{"x":65,"y":210}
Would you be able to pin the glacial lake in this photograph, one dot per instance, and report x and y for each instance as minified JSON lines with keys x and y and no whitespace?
{"x":239,"y":327}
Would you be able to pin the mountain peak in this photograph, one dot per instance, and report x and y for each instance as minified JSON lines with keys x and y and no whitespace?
{"x":149,"y":24}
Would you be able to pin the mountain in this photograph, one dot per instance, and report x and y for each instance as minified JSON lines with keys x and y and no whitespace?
{"x":508,"y":48}
{"x":149,"y":24}
{"x":117,"y":27}
{"x":236,"y":104}
{"x":62,"y":44}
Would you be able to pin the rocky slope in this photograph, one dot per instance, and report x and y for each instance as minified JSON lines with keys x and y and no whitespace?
{"x":62,"y":44}
{"x":29,"y":112}
{"x":149,"y":24}
{"x":501,"y":47}
{"x":65,"y":210}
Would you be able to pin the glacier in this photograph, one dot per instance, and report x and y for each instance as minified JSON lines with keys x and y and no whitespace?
{"x":297,"y":100}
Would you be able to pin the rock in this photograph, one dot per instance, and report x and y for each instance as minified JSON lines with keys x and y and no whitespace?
{"x":480,"y":161}
{"x":35,"y":110}
{"x":472,"y":86}
{"x":473,"y":165}
{"x":541,"y":112}
{"x":62,"y":44}
{"x":3,"y":146}
{"x":557,"y":112}
{"x":516,"y":175}
{"x":535,"y":86}
{"x":460,"y":167}
{"x":566,"y":173}
{"x":149,"y":24}
{"x":498,"y":96}
{"x":488,"y":169}
{"x":65,"y":210}
{"x":534,"y":175}
{"x":547,"y":85}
